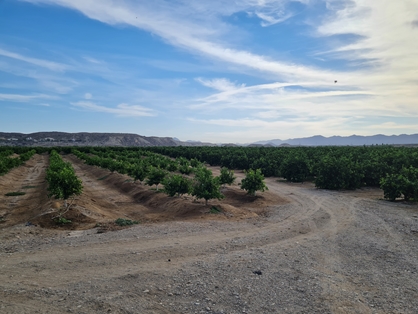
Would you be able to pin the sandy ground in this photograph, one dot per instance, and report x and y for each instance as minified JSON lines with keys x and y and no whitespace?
{"x":293,"y":249}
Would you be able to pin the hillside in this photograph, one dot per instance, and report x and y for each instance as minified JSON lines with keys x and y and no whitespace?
{"x":86,"y":139}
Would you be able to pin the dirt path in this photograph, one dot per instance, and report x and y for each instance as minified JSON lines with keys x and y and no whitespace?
{"x":29,"y":179}
{"x":322,"y":252}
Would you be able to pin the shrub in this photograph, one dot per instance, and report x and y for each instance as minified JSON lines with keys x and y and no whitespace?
{"x":125,"y":222}
{"x":253,"y":182}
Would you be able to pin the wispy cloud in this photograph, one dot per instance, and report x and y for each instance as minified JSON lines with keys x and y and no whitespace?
{"x":53,"y":66}
{"x":123,"y":110}
{"x":23,"y":98}
{"x":269,"y":20}
{"x":220,"y":84}
{"x":92,"y":60}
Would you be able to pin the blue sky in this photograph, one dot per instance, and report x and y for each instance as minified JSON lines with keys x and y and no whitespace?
{"x":219,"y":71}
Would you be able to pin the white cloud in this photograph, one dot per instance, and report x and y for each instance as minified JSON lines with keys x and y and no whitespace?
{"x":220,"y":84}
{"x":23,"y":98}
{"x":269,"y":20}
{"x":120,"y":110}
{"x":92,"y":60}
{"x":87,"y":96}
{"x":53,"y":66}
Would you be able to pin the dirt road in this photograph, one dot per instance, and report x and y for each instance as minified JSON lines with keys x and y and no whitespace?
{"x":319,"y":252}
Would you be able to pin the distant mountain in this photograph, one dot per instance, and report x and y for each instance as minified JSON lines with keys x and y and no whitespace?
{"x":127,"y":139}
{"x":353,"y":140}
{"x":89,"y":139}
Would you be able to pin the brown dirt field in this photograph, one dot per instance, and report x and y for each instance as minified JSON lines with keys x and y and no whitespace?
{"x":293,"y":249}
{"x":30,"y":179}
{"x":107,"y":196}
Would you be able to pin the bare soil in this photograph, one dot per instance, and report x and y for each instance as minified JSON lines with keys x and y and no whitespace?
{"x":293,"y":249}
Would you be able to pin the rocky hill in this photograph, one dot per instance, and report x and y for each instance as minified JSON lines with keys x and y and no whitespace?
{"x":87,"y":139}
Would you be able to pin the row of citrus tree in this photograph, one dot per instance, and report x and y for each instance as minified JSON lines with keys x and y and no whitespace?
{"x":7,"y":162}
{"x":62,"y":183}
{"x":155,"y":169}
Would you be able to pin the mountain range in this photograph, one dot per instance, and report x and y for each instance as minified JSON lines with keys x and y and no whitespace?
{"x":353,"y":140}
{"x":127,"y":139}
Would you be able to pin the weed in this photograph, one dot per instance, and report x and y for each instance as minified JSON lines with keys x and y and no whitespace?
{"x":125,"y":222}
{"x":15,"y":193}
{"x":62,"y":221}
{"x":215,"y":210}
{"x":102,"y":178}
{"x":29,"y":187}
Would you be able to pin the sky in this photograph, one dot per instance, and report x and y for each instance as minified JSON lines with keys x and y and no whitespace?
{"x":218,"y":71}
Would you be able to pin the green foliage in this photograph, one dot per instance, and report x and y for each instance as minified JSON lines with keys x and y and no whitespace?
{"x":403,"y":184}
{"x":409,"y":188}
{"x":195,"y":163}
{"x":184,"y":169}
{"x":183,"y":161}
{"x":125,"y":222}
{"x":215,"y":210}
{"x":226,"y":177}
{"x":253,"y":182}
{"x":62,"y":180}
{"x":155,"y":176}
{"x":62,"y":221}
{"x":332,"y":167}
{"x":177,"y":184}
{"x":295,"y":169}
{"x":205,"y":185}
{"x":138,"y":171}
{"x":172,"y":166}
{"x":7,"y":163}
{"x":64,"y":184}
{"x":391,"y":186}
{"x":338,"y":173}
{"x":15,"y":193}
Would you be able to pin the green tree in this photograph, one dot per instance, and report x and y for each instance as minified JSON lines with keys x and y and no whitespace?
{"x":253,"y":182}
{"x":172,"y":166}
{"x":62,"y":181}
{"x":294,"y":169}
{"x":155,"y":176}
{"x":205,"y":185}
{"x":184,"y":169}
{"x":226,"y":177}
{"x":336,"y":173}
{"x":392,"y":186}
{"x":139,"y":172}
{"x":409,"y":187}
{"x":177,"y":184}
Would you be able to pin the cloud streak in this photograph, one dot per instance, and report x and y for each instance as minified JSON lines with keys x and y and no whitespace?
{"x":23,"y":98}
{"x":53,"y":66}
{"x":122,"y":110}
